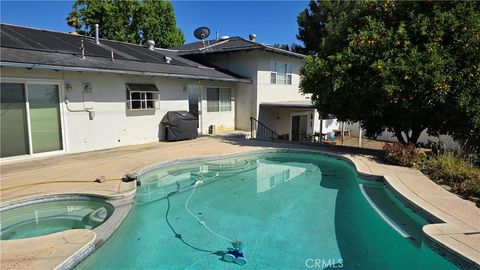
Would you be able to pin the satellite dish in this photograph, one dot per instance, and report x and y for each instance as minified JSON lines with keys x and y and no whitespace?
{"x":201,"y":32}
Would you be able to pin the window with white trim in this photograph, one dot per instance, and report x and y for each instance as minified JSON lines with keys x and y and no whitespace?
{"x":141,"y":96}
{"x":280,"y":72}
{"x":219,"y":99}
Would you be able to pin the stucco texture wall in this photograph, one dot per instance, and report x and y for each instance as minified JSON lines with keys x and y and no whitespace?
{"x":245,"y":65}
{"x":268,"y":92}
{"x":256,"y":66}
{"x":113,"y":124}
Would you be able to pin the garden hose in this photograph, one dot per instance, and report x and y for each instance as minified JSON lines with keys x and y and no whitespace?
{"x":62,"y":181}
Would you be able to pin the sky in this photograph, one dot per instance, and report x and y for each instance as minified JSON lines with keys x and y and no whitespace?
{"x":272,"y":21}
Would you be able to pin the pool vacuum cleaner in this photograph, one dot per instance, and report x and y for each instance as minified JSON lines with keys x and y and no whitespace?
{"x":235,"y":254}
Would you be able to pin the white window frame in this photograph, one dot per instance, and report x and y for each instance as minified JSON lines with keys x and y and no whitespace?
{"x":63,"y":121}
{"x":274,"y":74}
{"x":144,"y":100}
{"x":219,"y":88}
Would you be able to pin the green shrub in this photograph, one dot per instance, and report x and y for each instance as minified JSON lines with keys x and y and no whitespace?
{"x":401,"y":154}
{"x":448,"y":169}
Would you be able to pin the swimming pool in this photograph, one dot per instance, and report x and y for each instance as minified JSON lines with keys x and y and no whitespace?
{"x":37,"y":217}
{"x":291,"y":210}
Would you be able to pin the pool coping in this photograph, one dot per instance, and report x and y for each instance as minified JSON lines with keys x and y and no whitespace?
{"x":122,"y":208}
{"x":49,"y":198}
{"x":434,"y":233}
{"x":80,"y":255}
{"x":122,"y":205}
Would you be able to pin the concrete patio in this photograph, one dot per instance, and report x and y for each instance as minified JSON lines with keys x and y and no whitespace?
{"x":76,"y":173}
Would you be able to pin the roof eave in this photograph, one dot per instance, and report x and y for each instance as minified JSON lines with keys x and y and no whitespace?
{"x":264,"y":48}
{"x":117,"y":71}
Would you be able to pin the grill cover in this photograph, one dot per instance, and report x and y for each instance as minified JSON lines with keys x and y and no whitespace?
{"x":180,"y":125}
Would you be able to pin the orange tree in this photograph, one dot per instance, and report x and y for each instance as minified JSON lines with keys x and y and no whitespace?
{"x":402,"y":66}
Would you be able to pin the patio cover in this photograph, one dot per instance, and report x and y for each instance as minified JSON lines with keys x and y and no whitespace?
{"x":300,"y":104}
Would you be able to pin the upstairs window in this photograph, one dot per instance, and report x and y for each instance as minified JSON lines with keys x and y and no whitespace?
{"x":281,"y":73}
{"x":219,"y":99}
{"x":142,"y":96}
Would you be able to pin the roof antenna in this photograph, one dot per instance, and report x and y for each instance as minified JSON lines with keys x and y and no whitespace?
{"x":82,"y":48}
{"x":202,"y":33}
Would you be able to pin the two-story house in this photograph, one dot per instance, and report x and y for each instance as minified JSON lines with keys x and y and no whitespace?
{"x":67,"y":93}
{"x":273,"y":97}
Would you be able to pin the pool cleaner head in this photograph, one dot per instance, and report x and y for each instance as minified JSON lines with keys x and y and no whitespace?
{"x":235,"y":254}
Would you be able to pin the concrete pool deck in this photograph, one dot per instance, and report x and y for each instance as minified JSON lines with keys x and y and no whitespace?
{"x":75,"y":173}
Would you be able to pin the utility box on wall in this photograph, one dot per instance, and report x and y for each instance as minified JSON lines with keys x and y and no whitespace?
{"x":87,"y":92}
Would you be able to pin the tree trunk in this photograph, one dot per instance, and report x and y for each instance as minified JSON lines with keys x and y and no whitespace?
{"x":399,"y":135}
{"x":415,"y":135}
{"x":413,"y":138}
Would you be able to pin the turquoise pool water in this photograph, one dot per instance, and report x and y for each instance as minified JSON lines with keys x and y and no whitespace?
{"x":50,"y":217}
{"x":290,"y":210}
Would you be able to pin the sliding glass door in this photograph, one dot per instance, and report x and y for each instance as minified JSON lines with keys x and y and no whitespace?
{"x":30,"y":119}
{"x":13,"y":124}
{"x":45,"y":123}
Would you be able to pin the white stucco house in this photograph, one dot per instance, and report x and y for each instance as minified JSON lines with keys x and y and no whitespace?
{"x":67,"y":93}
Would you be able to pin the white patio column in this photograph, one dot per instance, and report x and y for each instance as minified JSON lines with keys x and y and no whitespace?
{"x":343,"y":131}
{"x":359,"y":135}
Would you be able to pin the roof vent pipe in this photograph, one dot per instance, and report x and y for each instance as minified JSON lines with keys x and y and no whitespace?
{"x":151,"y":45}
{"x":82,"y":48}
{"x":97,"y":39}
{"x":252,"y":37}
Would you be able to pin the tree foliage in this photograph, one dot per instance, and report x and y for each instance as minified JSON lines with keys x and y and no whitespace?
{"x":313,"y":22}
{"x":282,"y":46}
{"x":296,"y":48}
{"x":402,"y":66}
{"x":130,"y":21}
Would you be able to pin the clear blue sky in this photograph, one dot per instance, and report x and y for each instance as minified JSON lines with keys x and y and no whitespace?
{"x":272,"y":21}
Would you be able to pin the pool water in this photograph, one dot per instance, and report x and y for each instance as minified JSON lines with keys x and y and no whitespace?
{"x":54,"y":216}
{"x":290,"y":210}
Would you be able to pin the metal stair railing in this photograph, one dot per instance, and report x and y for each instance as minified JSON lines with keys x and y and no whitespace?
{"x":260,"y":131}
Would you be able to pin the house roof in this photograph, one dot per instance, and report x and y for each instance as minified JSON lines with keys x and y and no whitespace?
{"x":36,"y":48}
{"x":230,"y":44}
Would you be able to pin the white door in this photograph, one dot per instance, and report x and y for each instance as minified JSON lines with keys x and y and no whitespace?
{"x":298,"y":130}
{"x":194,"y":103}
